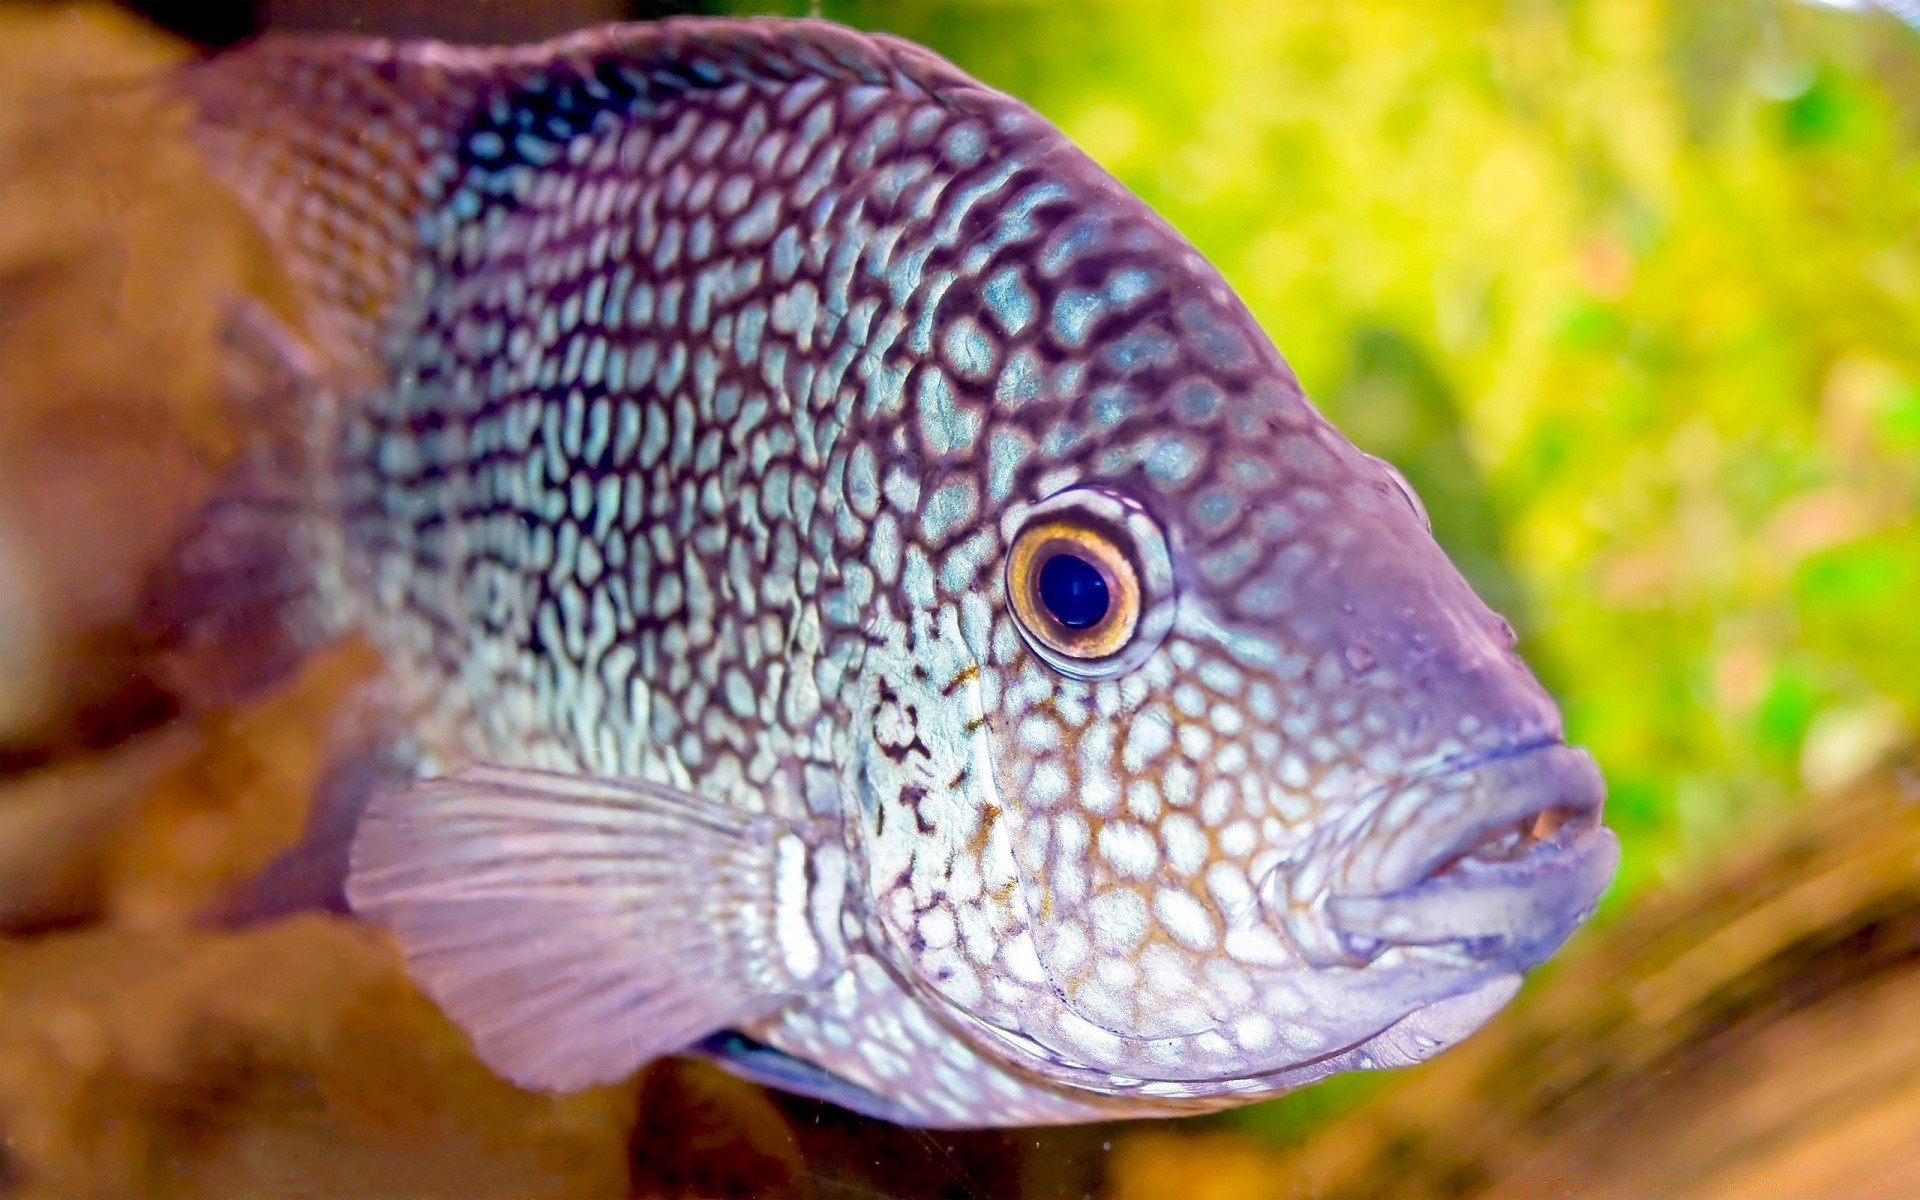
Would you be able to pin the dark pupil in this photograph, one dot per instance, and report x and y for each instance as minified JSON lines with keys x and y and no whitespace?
{"x":1073,"y":591}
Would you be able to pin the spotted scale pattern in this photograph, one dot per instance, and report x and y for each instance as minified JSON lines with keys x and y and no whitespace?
{"x":720,"y":363}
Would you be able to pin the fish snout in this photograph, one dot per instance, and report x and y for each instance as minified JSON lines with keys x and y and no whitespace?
{"x":1493,"y":861}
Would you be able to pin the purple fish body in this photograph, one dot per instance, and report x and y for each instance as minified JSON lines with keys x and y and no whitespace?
{"x":872,"y":606}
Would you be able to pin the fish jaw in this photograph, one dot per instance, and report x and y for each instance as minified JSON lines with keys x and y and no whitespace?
{"x":1495,"y":859}
{"x":1426,"y":908}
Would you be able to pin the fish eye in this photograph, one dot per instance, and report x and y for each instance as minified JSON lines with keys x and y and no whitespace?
{"x":1089,"y":584}
{"x":1073,"y":589}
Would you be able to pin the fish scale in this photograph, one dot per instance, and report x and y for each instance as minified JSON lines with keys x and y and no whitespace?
{"x":706,"y":375}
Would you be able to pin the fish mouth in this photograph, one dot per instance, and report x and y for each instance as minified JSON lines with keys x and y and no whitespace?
{"x":1491,"y":862}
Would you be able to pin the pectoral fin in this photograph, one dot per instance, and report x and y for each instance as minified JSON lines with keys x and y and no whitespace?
{"x":578,"y":927}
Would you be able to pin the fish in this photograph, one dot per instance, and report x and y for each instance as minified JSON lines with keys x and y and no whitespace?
{"x":863,"y":601}
{"x":1905,"y":11}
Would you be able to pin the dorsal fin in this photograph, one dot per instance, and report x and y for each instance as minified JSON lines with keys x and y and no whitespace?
{"x":340,"y":146}
{"x":336,"y":146}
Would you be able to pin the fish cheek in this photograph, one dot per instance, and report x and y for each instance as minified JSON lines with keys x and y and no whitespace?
{"x":923,"y":786}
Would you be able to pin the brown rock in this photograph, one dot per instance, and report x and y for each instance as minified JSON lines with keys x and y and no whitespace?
{"x":118,"y":258}
{"x":703,"y":1133}
{"x":290,"y":1061}
{"x":57,"y":827}
{"x":222,"y":813}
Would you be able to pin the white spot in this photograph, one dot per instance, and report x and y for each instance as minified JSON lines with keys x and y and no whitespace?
{"x":883,"y":1062}
{"x":1096,"y":1042}
{"x":792,"y":929}
{"x":1069,"y":880}
{"x":1213,"y":1045}
{"x":1256,"y":944}
{"x":1039,"y":734}
{"x":1020,"y":958}
{"x":936,"y":928}
{"x":1143,"y":799}
{"x":1228,"y":981}
{"x":969,"y":350}
{"x":1229,"y":888}
{"x":1217,"y":802}
{"x":1129,"y":848}
{"x":1254,"y":1032}
{"x":1176,"y":784}
{"x":1105,"y":1003}
{"x":1119,"y":919}
{"x":1148,"y":736}
{"x":1071,"y":839}
{"x":1185,"y":841}
{"x":1118,"y":973}
{"x":1239,"y":839}
{"x":1185,"y":918}
{"x":962,"y":987}
{"x":978,"y":936}
{"x":957,"y":1084}
{"x":1168,"y":976}
{"x":1047,"y":784}
{"x":1069,"y":948}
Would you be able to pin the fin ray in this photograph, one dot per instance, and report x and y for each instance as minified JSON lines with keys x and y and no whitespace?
{"x":340,"y":145}
{"x":576,"y":927}
{"x":238,"y":602}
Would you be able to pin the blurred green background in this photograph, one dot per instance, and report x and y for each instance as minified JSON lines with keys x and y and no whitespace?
{"x":1630,"y":289}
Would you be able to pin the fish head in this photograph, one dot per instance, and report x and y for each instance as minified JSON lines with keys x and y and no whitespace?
{"x":1240,"y":783}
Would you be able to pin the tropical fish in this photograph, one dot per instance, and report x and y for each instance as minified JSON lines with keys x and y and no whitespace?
{"x":1907,"y":11}
{"x":867,"y":602}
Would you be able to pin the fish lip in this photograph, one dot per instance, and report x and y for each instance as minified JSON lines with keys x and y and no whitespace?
{"x":1512,"y":913}
{"x":1497,"y":855}
{"x":1451,"y":810}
